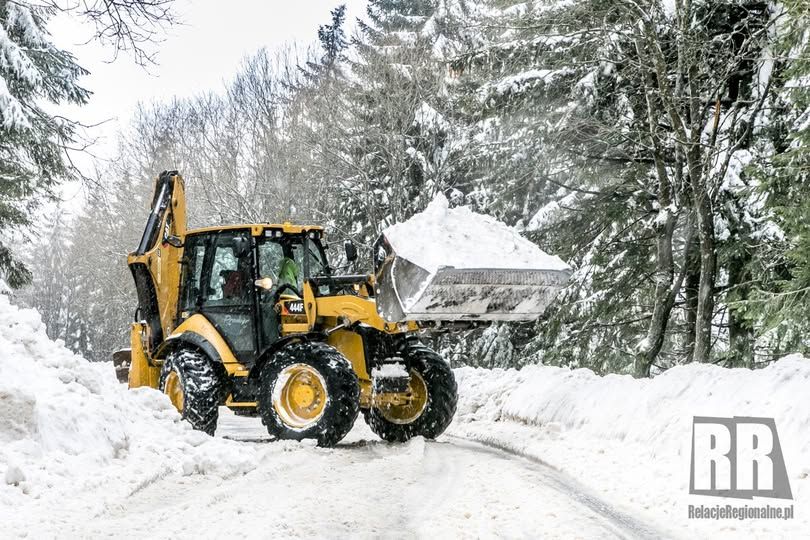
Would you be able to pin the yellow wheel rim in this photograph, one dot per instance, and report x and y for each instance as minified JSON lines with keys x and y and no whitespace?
{"x":299,"y":396}
{"x":174,"y":390}
{"x":417,"y":401}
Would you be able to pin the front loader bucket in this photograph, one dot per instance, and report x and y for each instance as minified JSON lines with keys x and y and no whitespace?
{"x":408,"y":292}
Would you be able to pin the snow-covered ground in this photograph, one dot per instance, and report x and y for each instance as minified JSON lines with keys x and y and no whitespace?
{"x":630,"y":439}
{"x":564,"y":454}
{"x":363,"y":488}
{"x":69,"y":433}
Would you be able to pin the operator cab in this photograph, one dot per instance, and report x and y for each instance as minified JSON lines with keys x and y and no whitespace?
{"x":235,"y":276}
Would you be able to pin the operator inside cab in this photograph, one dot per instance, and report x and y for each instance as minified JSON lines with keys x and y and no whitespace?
{"x":288,"y":273}
{"x":235,"y":281}
{"x":234,"y":264}
{"x":277,"y":262}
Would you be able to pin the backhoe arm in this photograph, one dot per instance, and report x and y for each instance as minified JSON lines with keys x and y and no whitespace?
{"x":155,"y":264}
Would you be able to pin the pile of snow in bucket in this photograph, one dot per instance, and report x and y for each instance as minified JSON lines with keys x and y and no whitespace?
{"x":67,"y":426}
{"x":630,"y":439}
{"x":458,"y":237}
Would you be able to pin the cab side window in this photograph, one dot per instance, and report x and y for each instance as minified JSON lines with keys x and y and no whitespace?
{"x":230,"y":280}
{"x":228,"y":299}
{"x":193,"y":258}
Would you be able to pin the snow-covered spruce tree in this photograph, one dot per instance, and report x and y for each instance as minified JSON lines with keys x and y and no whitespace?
{"x":55,"y":288}
{"x":33,"y":74}
{"x":635,"y":111}
{"x":333,"y":43}
{"x":777,"y":269}
{"x":313,"y":114}
{"x":386,"y":136}
{"x":500,"y":90}
{"x":510,"y":90}
{"x":104,"y":300}
{"x":542,"y":159}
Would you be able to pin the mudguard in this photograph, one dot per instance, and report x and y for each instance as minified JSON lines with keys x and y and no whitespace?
{"x":189,"y":339}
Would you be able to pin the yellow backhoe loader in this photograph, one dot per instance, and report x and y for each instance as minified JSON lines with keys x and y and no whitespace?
{"x":252,"y":317}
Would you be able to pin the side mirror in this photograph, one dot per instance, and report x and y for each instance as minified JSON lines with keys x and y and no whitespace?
{"x":351,"y":251}
{"x":174,"y":241}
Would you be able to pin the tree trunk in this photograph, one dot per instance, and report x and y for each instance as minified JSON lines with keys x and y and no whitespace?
{"x":705,"y":297}
{"x":740,"y":333}
{"x":691,"y":295}
{"x":654,"y":340}
{"x":741,"y":341}
{"x":664,"y":303}
{"x":650,"y":346}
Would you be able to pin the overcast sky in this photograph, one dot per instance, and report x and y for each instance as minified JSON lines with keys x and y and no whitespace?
{"x":197,"y":56}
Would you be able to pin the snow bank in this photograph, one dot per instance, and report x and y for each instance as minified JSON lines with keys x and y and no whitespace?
{"x":458,"y":237}
{"x":67,"y":427}
{"x":630,"y":438}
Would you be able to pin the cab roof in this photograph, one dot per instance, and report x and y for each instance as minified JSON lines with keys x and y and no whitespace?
{"x":257,"y":229}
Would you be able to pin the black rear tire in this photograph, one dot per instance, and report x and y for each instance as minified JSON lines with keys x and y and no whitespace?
{"x":204,"y":385}
{"x":342,"y":393}
{"x":442,"y":397}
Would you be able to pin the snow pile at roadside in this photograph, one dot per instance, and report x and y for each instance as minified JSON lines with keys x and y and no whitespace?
{"x":458,"y":237}
{"x":67,"y":427}
{"x":630,"y":439}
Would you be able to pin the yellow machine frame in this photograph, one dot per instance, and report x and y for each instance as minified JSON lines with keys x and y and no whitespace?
{"x":161,"y":254}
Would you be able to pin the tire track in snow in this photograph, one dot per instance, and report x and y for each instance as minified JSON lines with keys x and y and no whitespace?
{"x":366,"y":488}
{"x":437,"y":465}
{"x":627,"y":526}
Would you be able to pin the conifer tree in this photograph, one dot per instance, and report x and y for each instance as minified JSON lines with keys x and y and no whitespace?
{"x":34,"y":74}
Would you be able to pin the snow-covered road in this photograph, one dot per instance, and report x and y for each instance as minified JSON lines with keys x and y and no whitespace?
{"x":366,"y":488}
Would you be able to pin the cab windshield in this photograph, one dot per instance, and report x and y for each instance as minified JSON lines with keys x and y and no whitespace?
{"x":286,"y":259}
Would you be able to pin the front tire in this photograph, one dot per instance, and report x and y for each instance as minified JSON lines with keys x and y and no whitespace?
{"x":431,"y":375}
{"x":308,"y":390}
{"x":195,"y":386}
